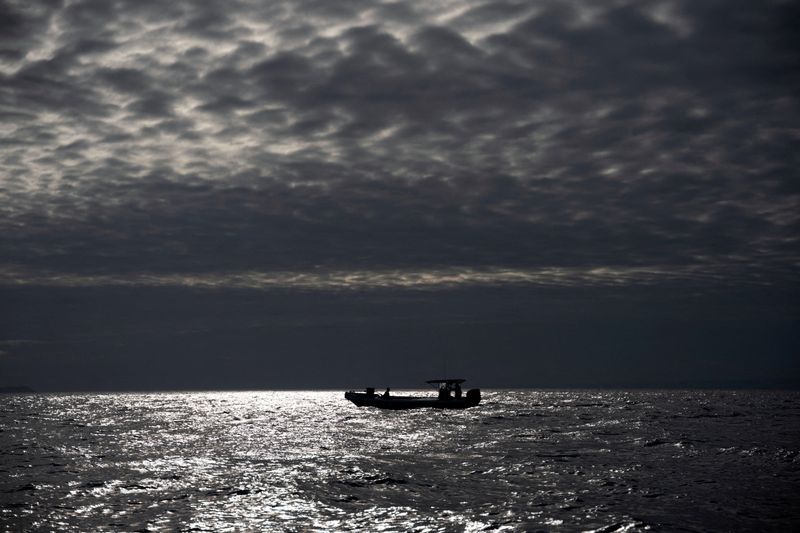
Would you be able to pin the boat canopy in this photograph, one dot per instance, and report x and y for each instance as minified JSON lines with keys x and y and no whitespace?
{"x":448,"y":381}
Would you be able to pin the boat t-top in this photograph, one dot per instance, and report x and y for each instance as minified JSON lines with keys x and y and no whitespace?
{"x":450,"y":397}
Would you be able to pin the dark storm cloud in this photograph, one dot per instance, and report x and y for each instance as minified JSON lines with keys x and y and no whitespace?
{"x":222,"y":141}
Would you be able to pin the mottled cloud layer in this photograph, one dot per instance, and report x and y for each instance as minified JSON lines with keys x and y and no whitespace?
{"x":373,"y":143}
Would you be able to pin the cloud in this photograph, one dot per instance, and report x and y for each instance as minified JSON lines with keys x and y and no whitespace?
{"x":360,"y":280}
{"x":191,"y":140}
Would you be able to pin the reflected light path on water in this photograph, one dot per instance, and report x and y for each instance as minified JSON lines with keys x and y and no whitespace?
{"x":522,"y":460}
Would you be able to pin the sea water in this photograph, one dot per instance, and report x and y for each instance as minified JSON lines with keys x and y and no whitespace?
{"x":311,"y":461}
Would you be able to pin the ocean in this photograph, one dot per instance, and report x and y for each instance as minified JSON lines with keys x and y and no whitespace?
{"x":524,"y":460}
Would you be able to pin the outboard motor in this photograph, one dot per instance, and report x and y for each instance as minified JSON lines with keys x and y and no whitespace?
{"x":474,"y":396}
{"x":370,"y":392}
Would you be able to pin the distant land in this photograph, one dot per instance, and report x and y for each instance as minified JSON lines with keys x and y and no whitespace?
{"x":16,"y":388}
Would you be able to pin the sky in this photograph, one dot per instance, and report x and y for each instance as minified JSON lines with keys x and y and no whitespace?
{"x":289,"y":194}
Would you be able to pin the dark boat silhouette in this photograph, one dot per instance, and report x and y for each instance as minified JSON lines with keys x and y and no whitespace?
{"x":449,"y":397}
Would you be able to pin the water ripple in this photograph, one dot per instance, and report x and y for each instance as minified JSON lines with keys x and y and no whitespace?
{"x":598,"y":461}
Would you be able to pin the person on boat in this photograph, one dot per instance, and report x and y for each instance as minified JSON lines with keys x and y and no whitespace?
{"x":458,"y":391}
{"x":444,"y":392}
{"x":386,"y":394}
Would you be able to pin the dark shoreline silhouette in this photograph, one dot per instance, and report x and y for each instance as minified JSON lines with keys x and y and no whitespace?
{"x":16,"y":389}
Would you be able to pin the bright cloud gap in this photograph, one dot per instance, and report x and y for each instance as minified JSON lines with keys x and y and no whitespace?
{"x":384,"y":279}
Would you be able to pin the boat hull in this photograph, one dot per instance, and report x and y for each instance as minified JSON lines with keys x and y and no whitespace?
{"x":362,"y":399}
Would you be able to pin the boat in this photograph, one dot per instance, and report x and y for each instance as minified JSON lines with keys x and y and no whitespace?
{"x":449,"y":397}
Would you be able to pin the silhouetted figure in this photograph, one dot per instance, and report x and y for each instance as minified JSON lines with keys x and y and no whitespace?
{"x":445,"y":399}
